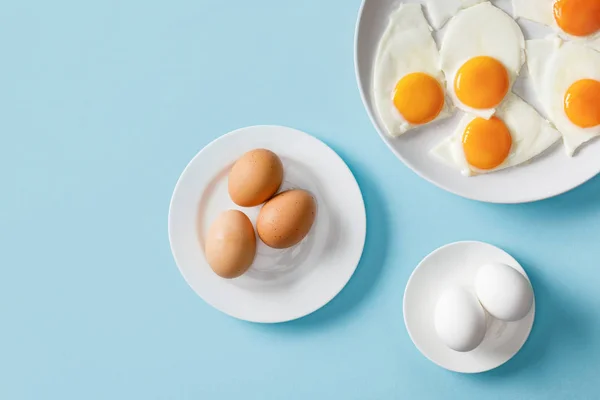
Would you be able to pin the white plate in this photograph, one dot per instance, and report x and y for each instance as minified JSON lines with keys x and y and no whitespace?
{"x":281,"y":285}
{"x":548,"y":175}
{"x":457,"y":264}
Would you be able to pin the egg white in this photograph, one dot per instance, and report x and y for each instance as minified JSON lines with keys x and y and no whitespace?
{"x":440,"y":11}
{"x":554,"y":66}
{"x":481,"y":30}
{"x":541,"y":11}
{"x":531,"y":135}
{"x":405,"y":47}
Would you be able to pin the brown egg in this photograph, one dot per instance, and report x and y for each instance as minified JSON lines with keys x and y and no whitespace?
{"x":230,"y":244}
{"x":255,"y":178}
{"x":286,"y":219}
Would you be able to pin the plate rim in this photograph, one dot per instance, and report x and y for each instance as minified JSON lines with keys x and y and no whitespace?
{"x":429,"y":255}
{"x":387,"y":140}
{"x":362,"y":216}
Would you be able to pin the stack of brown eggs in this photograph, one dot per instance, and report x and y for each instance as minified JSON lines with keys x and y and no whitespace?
{"x":283,"y":221}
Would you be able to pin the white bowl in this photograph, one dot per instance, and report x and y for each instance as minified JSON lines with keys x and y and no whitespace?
{"x":548,"y":175}
{"x":456,"y":264}
{"x":281,"y":285}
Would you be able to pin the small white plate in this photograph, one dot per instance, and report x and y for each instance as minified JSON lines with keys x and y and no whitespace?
{"x":281,"y":285}
{"x":457,"y":264}
{"x":548,"y":175}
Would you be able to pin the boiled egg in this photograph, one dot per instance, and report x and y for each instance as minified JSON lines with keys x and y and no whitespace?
{"x":481,"y":56}
{"x":440,"y":11}
{"x":514,"y":135}
{"x":566,"y":79}
{"x":407,"y":80}
{"x":503,"y":291}
{"x":459,"y":320}
{"x":574,"y":19}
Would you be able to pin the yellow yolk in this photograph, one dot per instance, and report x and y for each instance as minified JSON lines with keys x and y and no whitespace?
{"x":577,"y":17}
{"x":582,"y":103}
{"x":419,"y":98}
{"x":482,"y":82}
{"x":486,"y":143}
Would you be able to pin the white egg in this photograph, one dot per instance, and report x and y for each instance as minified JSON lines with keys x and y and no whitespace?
{"x":530,"y":136}
{"x":503,"y":291}
{"x":407,"y":50}
{"x":481,"y":32}
{"x":554,"y":68}
{"x":542,"y":11}
{"x":440,"y":11}
{"x":459,"y":320}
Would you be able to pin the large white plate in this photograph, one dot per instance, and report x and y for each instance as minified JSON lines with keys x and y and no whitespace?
{"x":456,"y":264}
{"x":550,"y":174}
{"x":281,"y":285}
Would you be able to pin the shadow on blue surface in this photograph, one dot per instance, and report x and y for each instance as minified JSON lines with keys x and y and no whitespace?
{"x":580,"y":199}
{"x":369,"y":270}
{"x":561,"y":330}
{"x":564,"y":321}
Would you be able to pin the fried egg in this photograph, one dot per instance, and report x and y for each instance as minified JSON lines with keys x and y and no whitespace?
{"x":408,"y":84}
{"x":440,"y":11}
{"x":516,"y":134}
{"x":481,"y":56}
{"x":566,"y":79}
{"x":577,"y":20}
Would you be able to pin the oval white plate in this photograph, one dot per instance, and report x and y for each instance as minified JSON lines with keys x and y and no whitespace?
{"x":550,"y":174}
{"x":281,"y":285}
{"x":457,"y":264}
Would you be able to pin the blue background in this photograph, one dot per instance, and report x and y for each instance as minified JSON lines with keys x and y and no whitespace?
{"x":103,"y":103}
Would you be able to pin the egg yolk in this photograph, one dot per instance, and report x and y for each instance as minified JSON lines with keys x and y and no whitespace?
{"x":486,"y":143}
{"x":578,"y":17}
{"x":482,"y":82}
{"x":582,"y":103}
{"x":419,"y":98}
